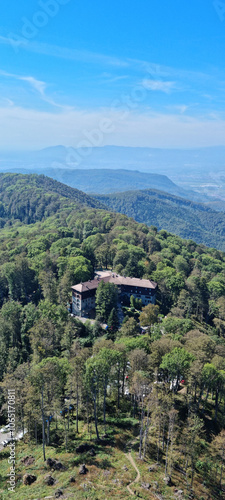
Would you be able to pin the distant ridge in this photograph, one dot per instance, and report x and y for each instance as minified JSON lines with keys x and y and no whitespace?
{"x":201,"y":169}
{"x":105,"y":181}
{"x":186,"y":218}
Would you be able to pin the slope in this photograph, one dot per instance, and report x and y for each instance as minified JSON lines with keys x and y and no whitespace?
{"x":185,"y":218}
{"x":30,"y":198}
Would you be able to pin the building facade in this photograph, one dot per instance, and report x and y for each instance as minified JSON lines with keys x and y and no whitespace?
{"x":83,"y":294}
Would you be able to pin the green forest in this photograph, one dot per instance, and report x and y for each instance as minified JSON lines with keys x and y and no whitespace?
{"x":134,"y":410}
{"x":185,"y":218}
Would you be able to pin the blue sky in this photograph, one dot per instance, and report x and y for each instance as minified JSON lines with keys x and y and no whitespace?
{"x":147,"y":73}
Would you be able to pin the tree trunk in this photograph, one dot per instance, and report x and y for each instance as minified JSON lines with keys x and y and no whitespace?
{"x":104,"y":404}
{"x":134,"y":405}
{"x":35,"y":431}
{"x":43,"y":423}
{"x":159,"y":437}
{"x":146,"y":432}
{"x":167,"y":449}
{"x":118,"y":391}
{"x":65,"y":433}
{"x":48,"y":432}
{"x":216,"y":404}
{"x":141,"y":428}
{"x":77,"y":403}
{"x":96,"y":417}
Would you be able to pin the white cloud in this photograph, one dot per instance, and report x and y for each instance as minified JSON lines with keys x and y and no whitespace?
{"x":37,"y":85}
{"x":181,"y":108}
{"x":24,"y":128}
{"x":158,"y":85}
{"x":19,"y":43}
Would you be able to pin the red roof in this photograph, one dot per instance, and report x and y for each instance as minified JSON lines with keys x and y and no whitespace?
{"x":110,"y":277}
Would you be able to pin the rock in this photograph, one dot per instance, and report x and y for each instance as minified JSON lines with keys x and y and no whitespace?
{"x":72,"y":479}
{"x":152,"y":468}
{"x":58,"y":493}
{"x":115,"y":481}
{"x":146,"y":486}
{"x":125,"y":468}
{"x":83,"y":448}
{"x":178,"y":493}
{"x":58,"y":466}
{"x":155,"y":485}
{"x":28,"y":479}
{"x":83,"y":469}
{"x":92,"y":452}
{"x":28,"y":460}
{"x":54,"y":464}
{"x":49,"y":480}
{"x":167,"y":480}
{"x":50,"y":462}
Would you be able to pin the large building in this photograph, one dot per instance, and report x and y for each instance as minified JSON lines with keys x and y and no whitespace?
{"x":83,"y":294}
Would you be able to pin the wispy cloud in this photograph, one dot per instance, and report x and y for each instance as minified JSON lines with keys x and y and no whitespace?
{"x":181,"y":108}
{"x":41,"y":129}
{"x":38,"y":85}
{"x":107,"y":78}
{"x":154,"y":72}
{"x":61,"y":52}
{"x":158,"y":85}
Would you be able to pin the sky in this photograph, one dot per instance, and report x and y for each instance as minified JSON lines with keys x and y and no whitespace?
{"x":147,"y":73}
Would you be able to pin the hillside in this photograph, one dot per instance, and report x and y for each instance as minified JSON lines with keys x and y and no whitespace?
{"x":199,"y":169}
{"x":103,"y":181}
{"x":185,"y":218}
{"x":131,"y":406}
{"x":30,"y":198}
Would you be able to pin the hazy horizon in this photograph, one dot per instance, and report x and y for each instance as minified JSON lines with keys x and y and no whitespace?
{"x":124,"y":74}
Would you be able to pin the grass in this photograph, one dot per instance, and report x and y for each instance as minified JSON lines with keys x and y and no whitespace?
{"x":109,"y":471}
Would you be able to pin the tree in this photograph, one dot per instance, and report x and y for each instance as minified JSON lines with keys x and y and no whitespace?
{"x":139,"y":360}
{"x":22,"y":281}
{"x":214,"y":380}
{"x":49,"y":379}
{"x":132,"y":301}
{"x":76,"y":376}
{"x":48,"y":284}
{"x":92,"y":382}
{"x":175,"y":365}
{"x":129,"y":328}
{"x":113,"y":323}
{"x":218,"y":451}
{"x":43,"y":340}
{"x":19,"y":381}
{"x":140,"y":387}
{"x":193,"y":431}
{"x":149,"y":315}
{"x":106,"y":358}
{"x":106,"y":300}
{"x":159,"y":348}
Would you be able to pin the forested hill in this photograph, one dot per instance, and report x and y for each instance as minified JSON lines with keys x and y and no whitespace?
{"x":105,"y":181}
{"x":60,"y":368}
{"x":31,"y":198}
{"x":185,"y":218}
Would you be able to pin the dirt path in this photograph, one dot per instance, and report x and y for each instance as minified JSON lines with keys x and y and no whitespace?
{"x":131,"y":460}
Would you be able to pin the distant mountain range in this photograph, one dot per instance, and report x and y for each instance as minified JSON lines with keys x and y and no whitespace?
{"x":201,"y":170}
{"x":187,"y":219}
{"x":32,"y":198}
{"x":105,"y":181}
